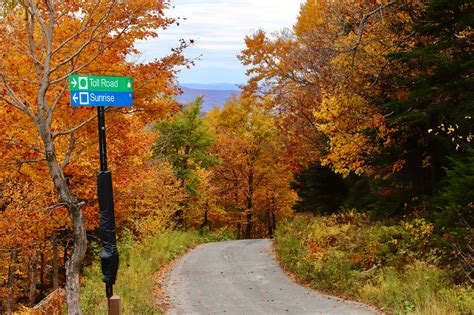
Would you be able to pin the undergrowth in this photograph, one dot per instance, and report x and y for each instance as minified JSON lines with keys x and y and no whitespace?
{"x":397,"y":267}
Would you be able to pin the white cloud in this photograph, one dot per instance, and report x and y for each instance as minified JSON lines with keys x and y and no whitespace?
{"x":219,"y":28}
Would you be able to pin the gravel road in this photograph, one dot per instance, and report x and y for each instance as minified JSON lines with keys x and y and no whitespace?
{"x":242,"y":277}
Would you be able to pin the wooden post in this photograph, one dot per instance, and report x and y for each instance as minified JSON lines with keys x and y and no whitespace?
{"x":114,"y":305}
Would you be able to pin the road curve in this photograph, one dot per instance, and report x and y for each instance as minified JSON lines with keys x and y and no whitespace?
{"x":242,"y":277}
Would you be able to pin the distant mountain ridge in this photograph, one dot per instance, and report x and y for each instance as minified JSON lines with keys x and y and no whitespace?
{"x":212,"y":86}
{"x":214,"y":94}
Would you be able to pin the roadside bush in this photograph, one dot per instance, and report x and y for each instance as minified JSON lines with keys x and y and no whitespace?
{"x":292,"y":251}
{"x":222,"y":234}
{"x":395,"y":267}
{"x":419,"y":289}
{"x":338,"y":273}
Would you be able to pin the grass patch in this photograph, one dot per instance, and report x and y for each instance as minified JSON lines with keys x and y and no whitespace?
{"x":138,"y":262}
{"x":394,"y":267}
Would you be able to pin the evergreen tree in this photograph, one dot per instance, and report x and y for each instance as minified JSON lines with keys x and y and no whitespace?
{"x":320,"y":190}
{"x":434,"y":118}
{"x":456,"y":201}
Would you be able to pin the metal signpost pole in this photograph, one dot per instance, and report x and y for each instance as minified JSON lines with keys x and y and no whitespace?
{"x":102,"y":144}
{"x":109,"y":256}
{"x":103,"y":91}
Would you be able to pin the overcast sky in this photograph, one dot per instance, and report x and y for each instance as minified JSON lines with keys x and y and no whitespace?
{"x":219,"y":28}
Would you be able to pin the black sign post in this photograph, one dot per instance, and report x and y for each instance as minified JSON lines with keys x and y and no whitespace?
{"x":104,"y":91}
{"x":109,"y":257}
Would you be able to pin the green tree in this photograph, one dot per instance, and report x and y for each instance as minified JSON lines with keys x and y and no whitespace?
{"x":320,"y":190}
{"x":457,"y":197}
{"x":433,"y":110}
{"x":184,"y":143}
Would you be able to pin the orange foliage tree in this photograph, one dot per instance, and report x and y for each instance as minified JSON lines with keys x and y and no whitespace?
{"x":252,"y":181}
{"x":41,"y":44}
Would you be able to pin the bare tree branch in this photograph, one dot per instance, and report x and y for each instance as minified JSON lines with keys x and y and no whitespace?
{"x":72,"y":142}
{"x":16,"y":102}
{"x":42,"y":105}
{"x":18,"y":142}
{"x":74,"y":129}
{"x":15,"y":162}
{"x":362,"y":24}
{"x":83,"y":28}
{"x":59,"y":96}
{"x":99,"y":53}
{"x":387,"y":62}
{"x":35,"y":11}
{"x":92,"y":36}
{"x":30,"y":27}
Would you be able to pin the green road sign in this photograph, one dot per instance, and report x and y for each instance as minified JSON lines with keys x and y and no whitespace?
{"x":89,"y":90}
{"x":99,"y":83}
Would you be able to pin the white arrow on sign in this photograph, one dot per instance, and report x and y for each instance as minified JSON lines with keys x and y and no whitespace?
{"x":75,"y":98}
{"x":74,"y":83}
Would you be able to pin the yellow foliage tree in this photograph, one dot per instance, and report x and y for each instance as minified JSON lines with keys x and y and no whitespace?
{"x":253,"y":178}
{"x":327,"y":77}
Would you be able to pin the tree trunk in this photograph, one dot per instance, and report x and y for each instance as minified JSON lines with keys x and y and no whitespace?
{"x":65,"y":257}
{"x":236,"y":202}
{"x":239,"y":229}
{"x":206,"y":220}
{"x":55,"y":264}
{"x":11,"y":280}
{"x":42,"y":284}
{"x":33,"y":270}
{"x":179,"y":214}
{"x":248,"y":226}
{"x":249,"y":201}
{"x":74,"y":263}
{"x":270,"y":225}
{"x":272,"y":218}
{"x":273,"y":223}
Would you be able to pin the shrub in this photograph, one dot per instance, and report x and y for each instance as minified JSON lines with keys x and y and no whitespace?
{"x":393,"y":266}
